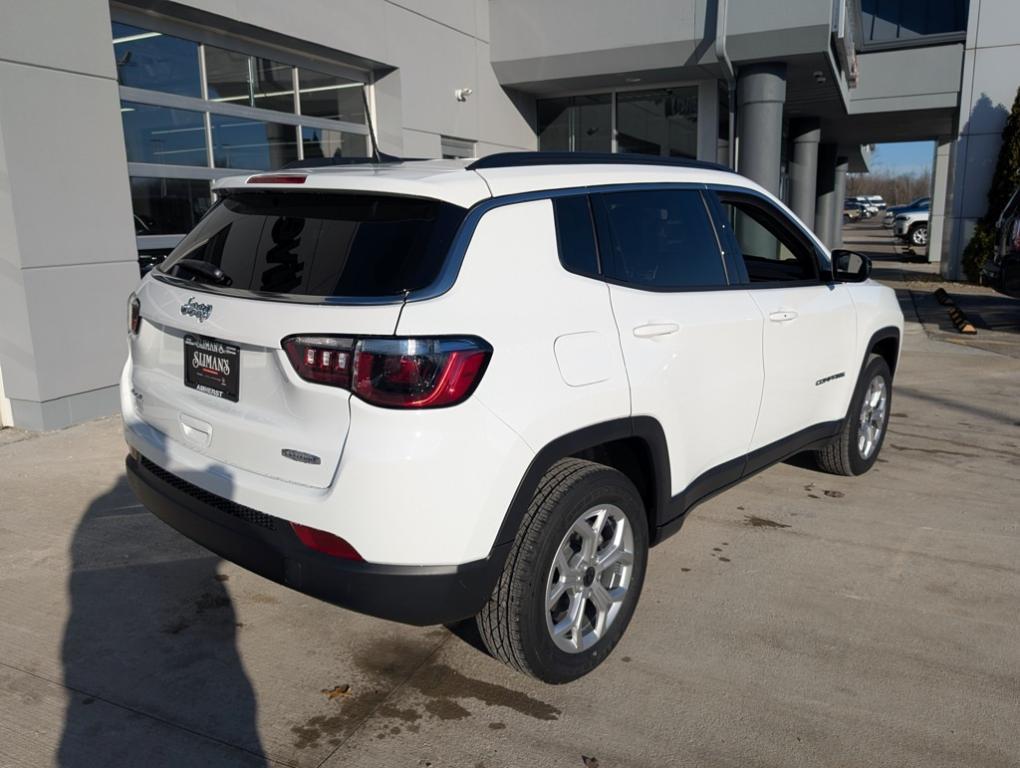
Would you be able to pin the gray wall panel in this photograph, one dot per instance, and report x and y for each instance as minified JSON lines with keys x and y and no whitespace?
{"x":56,"y":33}
{"x":525,"y":29}
{"x":77,"y":316}
{"x":67,"y":167}
{"x":930,"y":77}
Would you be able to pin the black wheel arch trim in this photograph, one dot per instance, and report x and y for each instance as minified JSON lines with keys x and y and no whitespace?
{"x":646,"y":428}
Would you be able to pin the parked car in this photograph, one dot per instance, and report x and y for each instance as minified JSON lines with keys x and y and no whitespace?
{"x":1002,"y":271}
{"x":877,"y":201}
{"x":868,"y":208}
{"x":852,"y":212}
{"x":891,"y":211}
{"x":435,"y":390}
{"x":911,"y":226}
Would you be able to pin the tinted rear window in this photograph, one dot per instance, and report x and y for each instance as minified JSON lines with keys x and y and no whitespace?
{"x":312,"y":244}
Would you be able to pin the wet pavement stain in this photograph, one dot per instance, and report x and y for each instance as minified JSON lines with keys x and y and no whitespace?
{"x":813,"y":496}
{"x":497,"y":726}
{"x":222,"y":577}
{"x":834,"y":494}
{"x":441,"y":682}
{"x":763,"y":522}
{"x":446,"y":709}
{"x":685,"y":570}
{"x":724,"y":560}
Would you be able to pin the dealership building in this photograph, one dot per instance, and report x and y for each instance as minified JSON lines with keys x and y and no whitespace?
{"x":116,"y":117}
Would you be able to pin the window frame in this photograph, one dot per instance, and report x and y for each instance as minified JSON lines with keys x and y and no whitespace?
{"x":721,"y":194}
{"x":599,"y":216}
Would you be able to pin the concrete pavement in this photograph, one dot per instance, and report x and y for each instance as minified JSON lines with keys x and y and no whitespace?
{"x":797,"y":620}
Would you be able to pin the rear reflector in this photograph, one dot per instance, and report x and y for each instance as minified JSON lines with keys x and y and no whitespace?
{"x":393,"y":373}
{"x":325,"y":542}
{"x":277,"y":178}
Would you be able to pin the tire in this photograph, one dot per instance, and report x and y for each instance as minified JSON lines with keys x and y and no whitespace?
{"x":516,"y":626}
{"x":855,"y":449}
{"x":918,"y":235}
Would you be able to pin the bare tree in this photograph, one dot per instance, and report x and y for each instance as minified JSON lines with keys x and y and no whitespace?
{"x":895,"y":188}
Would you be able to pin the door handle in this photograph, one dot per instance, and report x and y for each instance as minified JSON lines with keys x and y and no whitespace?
{"x":783,"y":316}
{"x":651,"y":330}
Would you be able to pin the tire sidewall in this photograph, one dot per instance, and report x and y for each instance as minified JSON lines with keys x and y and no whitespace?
{"x":542,"y":655}
{"x":875,"y":367}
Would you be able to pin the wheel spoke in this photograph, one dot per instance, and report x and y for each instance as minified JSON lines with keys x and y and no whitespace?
{"x":589,"y":540}
{"x":612,"y":556}
{"x":555,"y":594}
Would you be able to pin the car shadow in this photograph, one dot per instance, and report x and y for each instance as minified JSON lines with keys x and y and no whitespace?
{"x":149,"y":650}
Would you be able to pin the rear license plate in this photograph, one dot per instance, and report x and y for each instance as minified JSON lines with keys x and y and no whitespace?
{"x":212,"y":367}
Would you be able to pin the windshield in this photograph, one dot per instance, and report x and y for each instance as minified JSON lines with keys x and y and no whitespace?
{"x":318,"y":244}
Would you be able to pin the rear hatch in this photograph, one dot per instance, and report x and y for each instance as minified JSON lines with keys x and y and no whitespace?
{"x":208,"y":367}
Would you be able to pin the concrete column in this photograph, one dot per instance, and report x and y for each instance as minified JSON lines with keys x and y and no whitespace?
{"x":842,"y":166}
{"x":804,"y":168}
{"x":940,"y":174}
{"x":761,"y":93}
{"x":825,"y":199}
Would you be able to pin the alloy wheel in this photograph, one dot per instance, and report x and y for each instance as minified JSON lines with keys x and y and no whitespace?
{"x":589,"y":578}
{"x":873,"y":414}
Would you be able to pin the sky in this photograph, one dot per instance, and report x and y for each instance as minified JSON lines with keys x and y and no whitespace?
{"x":903,"y":157}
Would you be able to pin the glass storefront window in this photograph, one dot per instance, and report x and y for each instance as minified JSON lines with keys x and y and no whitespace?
{"x":156,"y":61}
{"x":272,"y":85}
{"x":660,"y":122}
{"x":168,"y":206}
{"x":252,"y":144}
{"x":576,"y":124}
{"x":227,"y":76}
{"x":331,"y":97}
{"x":320,"y":143}
{"x":250,"y":81}
{"x":163,"y":135}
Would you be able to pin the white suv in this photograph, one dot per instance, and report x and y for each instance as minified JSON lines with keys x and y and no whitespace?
{"x":435,"y":390}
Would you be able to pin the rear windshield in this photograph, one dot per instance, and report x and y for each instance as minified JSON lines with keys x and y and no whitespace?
{"x":318,"y":245}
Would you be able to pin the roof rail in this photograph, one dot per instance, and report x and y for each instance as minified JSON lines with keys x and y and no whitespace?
{"x":519,"y":159}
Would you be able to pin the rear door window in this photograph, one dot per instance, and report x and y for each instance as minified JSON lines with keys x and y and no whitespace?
{"x":318,"y":244}
{"x":658,"y":239}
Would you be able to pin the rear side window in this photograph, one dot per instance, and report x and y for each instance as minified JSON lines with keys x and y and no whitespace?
{"x":658,"y":239}
{"x":318,"y":244}
{"x":575,"y":235}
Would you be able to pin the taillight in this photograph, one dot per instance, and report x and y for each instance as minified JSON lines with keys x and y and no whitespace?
{"x":325,"y":542}
{"x":134,"y":315}
{"x":393,"y":373}
{"x":322,"y":359}
{"x":417,"y":373}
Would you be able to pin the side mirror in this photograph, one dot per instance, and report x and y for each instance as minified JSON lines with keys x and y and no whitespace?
{"x":850,"y":266}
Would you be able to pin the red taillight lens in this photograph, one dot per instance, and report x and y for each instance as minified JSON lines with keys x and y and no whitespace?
{"x":417,"y":373}
{"x":134,"y":315}
{"x":395,"y":373}
{"x":325,"y":542}
{"x":322,"y":359}
{"x":277,"y":178}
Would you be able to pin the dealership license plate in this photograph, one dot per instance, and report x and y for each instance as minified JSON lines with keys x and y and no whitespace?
{"x":211,"y":366}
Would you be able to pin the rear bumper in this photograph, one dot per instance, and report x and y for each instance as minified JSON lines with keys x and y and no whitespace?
{"x":267,"y":545}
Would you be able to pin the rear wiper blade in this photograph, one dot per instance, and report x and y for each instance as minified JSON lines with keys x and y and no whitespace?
{"x":205,"y":271}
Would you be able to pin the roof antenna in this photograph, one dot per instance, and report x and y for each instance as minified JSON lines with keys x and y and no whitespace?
{"x":371,"y":128}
